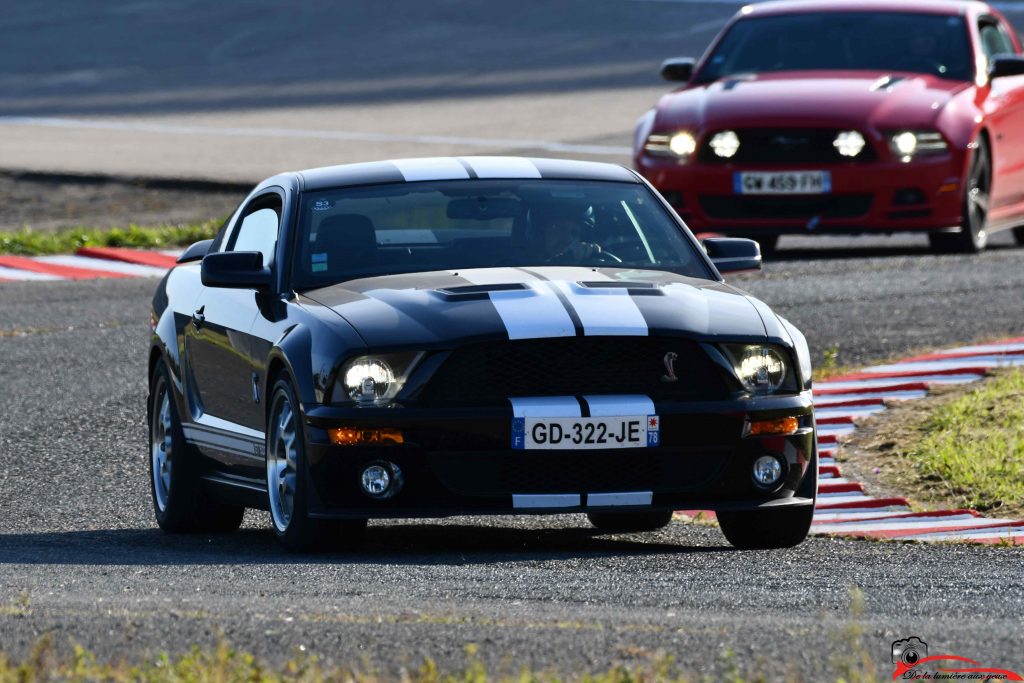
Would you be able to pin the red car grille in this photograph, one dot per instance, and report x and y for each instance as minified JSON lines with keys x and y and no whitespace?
{"x":737,"y":207}
{"x":784,"y":146}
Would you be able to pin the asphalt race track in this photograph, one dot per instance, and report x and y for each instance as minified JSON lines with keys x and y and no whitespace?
{"x":80,"y":556}
{"x":79,"y":547}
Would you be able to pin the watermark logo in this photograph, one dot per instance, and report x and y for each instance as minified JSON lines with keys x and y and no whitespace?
{"x":913,"y":663}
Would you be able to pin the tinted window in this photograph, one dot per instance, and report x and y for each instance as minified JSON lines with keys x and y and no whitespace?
{"x":858,"y":41}
{"x":994,"y":41}
{"x":414,"y":227}
{"x":258,"y":231}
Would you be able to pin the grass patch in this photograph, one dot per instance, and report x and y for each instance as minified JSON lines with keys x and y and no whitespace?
{"x":960,"y":447}
{"x":973,"y":446}
{"x":223,"y":664}
{"x":28,"y":242}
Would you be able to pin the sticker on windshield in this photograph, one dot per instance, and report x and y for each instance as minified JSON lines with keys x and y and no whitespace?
{"x":319,"y":263}
{"x":322,"y":205}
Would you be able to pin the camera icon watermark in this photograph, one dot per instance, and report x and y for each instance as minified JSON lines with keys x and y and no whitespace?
{"x":909,"y":651}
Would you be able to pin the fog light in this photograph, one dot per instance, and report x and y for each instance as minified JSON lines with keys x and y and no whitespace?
{"x":381,"y":479}
{"x":767,"y":470}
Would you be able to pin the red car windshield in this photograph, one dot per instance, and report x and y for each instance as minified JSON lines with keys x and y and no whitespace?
{"x":423,"y":226}
{"x":844,"y":41}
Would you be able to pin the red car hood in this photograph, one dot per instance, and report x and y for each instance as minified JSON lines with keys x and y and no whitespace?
{"x":821,"y":99}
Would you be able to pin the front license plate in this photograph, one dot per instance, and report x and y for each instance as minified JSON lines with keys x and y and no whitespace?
{"x":589,"y":433}
{"x":782,"y":182}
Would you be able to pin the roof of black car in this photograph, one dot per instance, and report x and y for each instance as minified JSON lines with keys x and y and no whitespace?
{"x":460,"y":168}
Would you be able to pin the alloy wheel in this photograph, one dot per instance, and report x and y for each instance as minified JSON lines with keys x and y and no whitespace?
{"x":161,"y":446}
{"x":282,"y":461}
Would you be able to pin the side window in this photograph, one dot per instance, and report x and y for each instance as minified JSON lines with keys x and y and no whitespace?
{"x":994,"y":40}
{"x":259,"y":227}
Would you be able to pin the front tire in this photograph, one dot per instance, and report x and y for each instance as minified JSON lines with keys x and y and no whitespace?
{"x":627,"y":522}
{"x":288,"y":481}
{"x":180,"y":503}
{"x":767,"y":528}
{"x":973,"y":235}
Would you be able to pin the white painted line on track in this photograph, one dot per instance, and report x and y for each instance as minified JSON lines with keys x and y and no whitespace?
{"x":848,"y":411}
{"x":347,"y":135}
{"x":905,"y":395}
{"x":890,"y":381}
{"x":107,"y":265}
{"x":951,"y":364}
{"x":14,"y":274}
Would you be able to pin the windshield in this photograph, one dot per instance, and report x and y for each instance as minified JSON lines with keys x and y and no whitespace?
{"x":423,"y":226}
{"x":847,"y":41}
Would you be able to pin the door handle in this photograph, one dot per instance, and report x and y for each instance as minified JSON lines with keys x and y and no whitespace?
{"x":198,"y":318}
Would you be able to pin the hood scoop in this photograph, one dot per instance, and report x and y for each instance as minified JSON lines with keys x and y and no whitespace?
{"x":472,"y":292}
{"x":634,"y":288}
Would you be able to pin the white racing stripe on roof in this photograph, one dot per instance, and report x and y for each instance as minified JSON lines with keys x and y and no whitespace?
{"x":15,"y":274}
{"x":108,"y":265}
{"x":545,"y":406}
{"x":502,"y":167}
{"x":439,"y":168}
{"x":532,"y":313}
{"x":604,"y":311}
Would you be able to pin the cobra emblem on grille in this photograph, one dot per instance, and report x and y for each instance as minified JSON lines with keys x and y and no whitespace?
{"x":670,"y":367}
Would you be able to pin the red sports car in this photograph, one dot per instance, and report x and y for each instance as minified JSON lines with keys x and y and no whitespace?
{"x":846,"y":117}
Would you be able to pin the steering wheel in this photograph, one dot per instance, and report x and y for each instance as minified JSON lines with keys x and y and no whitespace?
{"x":606,"y":257}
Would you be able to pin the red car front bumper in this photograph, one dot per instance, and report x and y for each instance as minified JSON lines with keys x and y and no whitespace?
{"x":877,"y":196}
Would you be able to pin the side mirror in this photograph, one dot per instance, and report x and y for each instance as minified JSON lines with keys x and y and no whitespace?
{"x":235,"y":269}
{"x":732,"y":254}
{"x":1005,"y":65}
{"x":196,"y":251}
{"x":677,"y":69}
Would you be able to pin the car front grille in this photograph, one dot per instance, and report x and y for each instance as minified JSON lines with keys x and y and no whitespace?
{"x":785,"y":207}
{"x":784,"y":146}
{"x":489,"y":373}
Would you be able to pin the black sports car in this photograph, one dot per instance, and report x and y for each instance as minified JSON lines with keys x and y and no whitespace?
{"x":433,"y":337}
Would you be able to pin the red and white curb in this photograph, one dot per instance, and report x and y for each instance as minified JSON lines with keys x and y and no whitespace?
{"x":89,"y":263}
{"x":844,"y":507}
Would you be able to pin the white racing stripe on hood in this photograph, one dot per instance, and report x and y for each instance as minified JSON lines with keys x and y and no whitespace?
{"x":545,"y":406}
{"x":533,"y":313}
{"x":440,"y":168}
{"x":502,"y":167}
{"x":604,"y":311}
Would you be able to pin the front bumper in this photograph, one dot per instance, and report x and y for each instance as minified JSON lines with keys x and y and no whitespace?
{"x":878,"y":196}
{"x":457,"y":462}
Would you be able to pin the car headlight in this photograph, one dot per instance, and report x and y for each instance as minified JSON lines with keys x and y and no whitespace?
{"x":849,"y":143}
{"x":679,"y":145}
{"x":725,"y":144}
{"x":374,"y":380}
{"x":761,"y":368}
{"x":907,"y":144}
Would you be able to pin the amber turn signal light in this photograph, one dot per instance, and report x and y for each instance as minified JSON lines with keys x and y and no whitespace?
{"x":353,"y":436}
{"x":781,"y":426}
